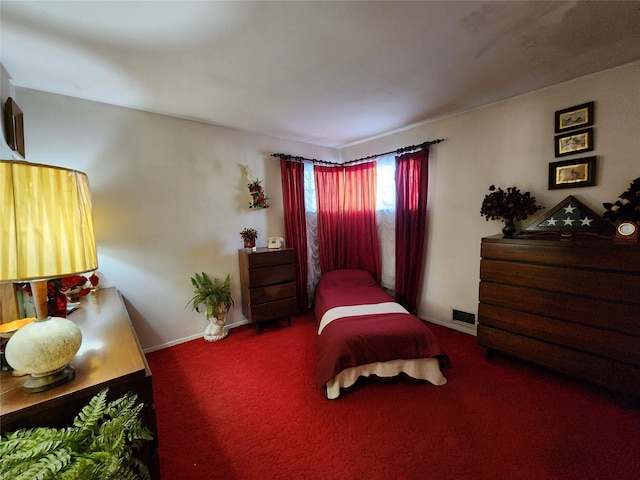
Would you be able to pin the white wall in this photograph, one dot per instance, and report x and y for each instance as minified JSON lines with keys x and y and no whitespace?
{"x":169,"y":199}
{"x":510,"y":143}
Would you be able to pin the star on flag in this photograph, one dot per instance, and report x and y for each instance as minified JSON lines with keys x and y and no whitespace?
{"x":568,"y":216}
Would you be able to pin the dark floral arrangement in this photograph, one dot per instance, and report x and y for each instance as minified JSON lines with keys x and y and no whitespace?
{"x":627,"y":207}
{"x":259,"y":198}
{"x":509,"y":204}
{"x":249,"y":234}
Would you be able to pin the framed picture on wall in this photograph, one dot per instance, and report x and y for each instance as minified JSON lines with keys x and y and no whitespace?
{"x":580,"y":172}
{"x":574,"y":142}
{"x":14,"y":126}
{"x":574,"y":117}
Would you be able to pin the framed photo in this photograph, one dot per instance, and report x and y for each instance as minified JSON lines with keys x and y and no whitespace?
{"x":574,"y":117}
{"x":14,"y":126}
{"x":580,"y":172}
{"x":574,"y":142}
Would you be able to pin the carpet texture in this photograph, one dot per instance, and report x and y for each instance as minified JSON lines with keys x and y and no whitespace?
{"x":247,"y":407}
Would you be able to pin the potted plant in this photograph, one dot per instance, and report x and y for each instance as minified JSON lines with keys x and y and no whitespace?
{"x":100,"y":444}
{"x":249,"y":236}
{"x":215,"y":295}
{"x":509,"y":205}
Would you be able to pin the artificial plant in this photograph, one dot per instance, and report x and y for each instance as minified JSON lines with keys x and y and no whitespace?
{"x":211,"y":293}
{"x":100,"y":444}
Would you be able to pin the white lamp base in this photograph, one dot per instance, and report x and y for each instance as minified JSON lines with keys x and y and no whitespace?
{"x":44,"y":349}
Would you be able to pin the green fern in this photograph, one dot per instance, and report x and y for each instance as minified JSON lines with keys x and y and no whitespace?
{"x":210,"y":292}
{"x":100,"y":444}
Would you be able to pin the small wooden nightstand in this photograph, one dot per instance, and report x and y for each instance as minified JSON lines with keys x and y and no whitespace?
{"x":268,"y":280}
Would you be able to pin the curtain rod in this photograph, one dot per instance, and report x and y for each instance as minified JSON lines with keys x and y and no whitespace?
{"x":410,"y":148}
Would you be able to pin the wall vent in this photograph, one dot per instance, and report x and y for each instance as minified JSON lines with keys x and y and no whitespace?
{"x":464,"y":317}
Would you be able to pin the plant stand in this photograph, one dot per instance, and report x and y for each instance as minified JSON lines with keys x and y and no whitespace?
{"x":215,"y":330}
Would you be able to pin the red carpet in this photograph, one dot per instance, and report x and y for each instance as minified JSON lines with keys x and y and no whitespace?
{"x":248,"y":408}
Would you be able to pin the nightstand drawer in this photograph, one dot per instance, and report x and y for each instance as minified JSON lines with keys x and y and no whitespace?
{"x":271,"y":310}
{"x":271,"y":293}
{"x":259,"y":277}
{"x":267,"y":257}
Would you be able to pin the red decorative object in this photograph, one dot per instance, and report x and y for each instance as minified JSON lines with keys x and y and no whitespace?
{"x":60,"y":290}
{"x":56,"y":303}
{"x":249,"y":236}
{"x":259,"y":198}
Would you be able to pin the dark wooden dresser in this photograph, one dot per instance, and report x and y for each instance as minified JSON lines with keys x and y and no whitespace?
{"x":268,"y":280}
{"x":110,"y":356}
{"x":572,"y":305}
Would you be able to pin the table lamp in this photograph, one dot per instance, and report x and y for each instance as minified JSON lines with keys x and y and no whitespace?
{"x":46,"y":232}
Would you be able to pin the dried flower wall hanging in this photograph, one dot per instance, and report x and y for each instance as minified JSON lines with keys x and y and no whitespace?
{"x":259,"y":199}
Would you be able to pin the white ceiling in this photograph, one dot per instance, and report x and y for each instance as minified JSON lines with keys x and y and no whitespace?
{"x":328,"y":73}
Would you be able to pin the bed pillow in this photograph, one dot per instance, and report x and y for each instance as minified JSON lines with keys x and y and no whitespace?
{"x":349,"y":277}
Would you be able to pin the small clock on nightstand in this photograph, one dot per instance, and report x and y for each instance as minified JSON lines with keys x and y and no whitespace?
{"x":627,"y":232}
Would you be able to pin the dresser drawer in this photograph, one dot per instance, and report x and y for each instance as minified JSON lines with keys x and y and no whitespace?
{"x":258,"y":277}
{"x":620,"y":317}
{"x":268,"y":257}
{"x":271,"y":293}
{"x":610,"y":286}
{"x":271,"y":310}
{"x":604,"y":343}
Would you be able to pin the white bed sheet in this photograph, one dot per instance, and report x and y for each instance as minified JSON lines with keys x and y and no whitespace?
{"x":421,"y":369}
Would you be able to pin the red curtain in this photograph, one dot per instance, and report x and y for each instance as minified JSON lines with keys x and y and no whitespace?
{"x":412,"y":175}
{"x":347,"y":235}
{"x":330,"y":197}
{"x":295,"y":227}
{"x":361,"y":234}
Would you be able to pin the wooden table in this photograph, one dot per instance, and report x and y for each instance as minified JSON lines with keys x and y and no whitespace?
{"x":110,"y":356}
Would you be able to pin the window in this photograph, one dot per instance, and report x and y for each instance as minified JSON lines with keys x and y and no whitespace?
{"x":385,"y":217}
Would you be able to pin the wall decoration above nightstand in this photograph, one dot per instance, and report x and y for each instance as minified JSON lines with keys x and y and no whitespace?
{"x":259,"y":198}
{"x":580,"y":172}
{"x":574,"y":117}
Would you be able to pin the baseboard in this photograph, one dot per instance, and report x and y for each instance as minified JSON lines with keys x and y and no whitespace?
{"x":459,"y":326}
{"x":189,"y":338}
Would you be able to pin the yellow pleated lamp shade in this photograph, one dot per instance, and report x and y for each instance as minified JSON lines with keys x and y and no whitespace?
{"x":46,"y":227}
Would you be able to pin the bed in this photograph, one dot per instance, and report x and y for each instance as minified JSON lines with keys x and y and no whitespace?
{"x":362,"y":332}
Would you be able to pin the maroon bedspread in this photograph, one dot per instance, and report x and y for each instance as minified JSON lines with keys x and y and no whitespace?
{"x":353,"y":341}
